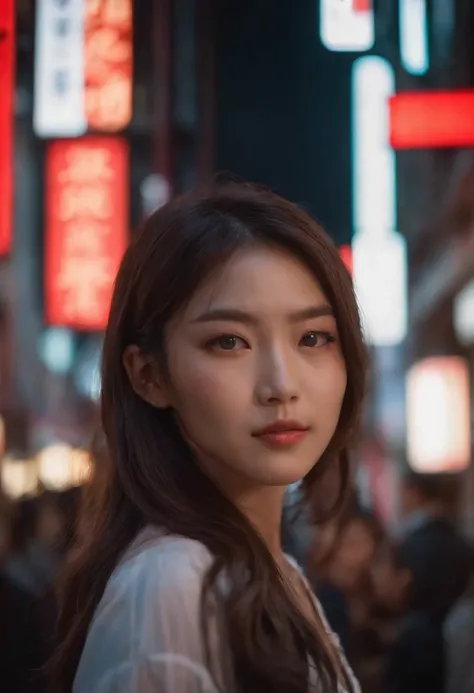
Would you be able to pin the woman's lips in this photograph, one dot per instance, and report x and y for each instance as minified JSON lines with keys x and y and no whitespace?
{"x":283,"y":438}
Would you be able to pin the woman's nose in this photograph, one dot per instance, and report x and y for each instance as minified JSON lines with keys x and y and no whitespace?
{"x":277,"y":384}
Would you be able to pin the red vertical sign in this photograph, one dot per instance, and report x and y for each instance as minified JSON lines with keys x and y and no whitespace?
{"x":361,"y":5}
{"x":345,"y":251}
{"x":7,"y":88}
{"x":108,"y":28}
{"x":86,"y":228}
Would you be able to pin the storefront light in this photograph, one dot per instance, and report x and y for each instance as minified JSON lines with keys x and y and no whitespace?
{"x":54,"y":466}
{"x":438,"y":415}
{"x":19,"y":477}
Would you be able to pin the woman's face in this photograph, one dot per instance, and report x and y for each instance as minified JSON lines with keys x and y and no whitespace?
{"x":257,"y":346}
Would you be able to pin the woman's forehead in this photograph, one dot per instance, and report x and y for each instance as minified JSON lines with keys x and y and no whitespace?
{"x":260,"y":281}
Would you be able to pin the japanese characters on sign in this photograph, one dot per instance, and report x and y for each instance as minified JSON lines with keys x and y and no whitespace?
{"x":7,"y":90}
{"x":108,"y":64}
{"x":59,"y":69}
{"x":83,"y":67}
{"x":86,"y":228}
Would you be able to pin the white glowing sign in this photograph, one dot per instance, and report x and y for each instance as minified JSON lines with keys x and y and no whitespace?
{"x":414,"y":36}
{"x":463,"y":314}
{"x":347,"y":25}
{"x":379,"y":252}
{"x":374,"y":180}
{"x":380,"y":283}
{"x":59,"y":69}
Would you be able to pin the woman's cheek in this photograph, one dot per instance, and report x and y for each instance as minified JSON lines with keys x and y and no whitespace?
{"x":203,"y":385}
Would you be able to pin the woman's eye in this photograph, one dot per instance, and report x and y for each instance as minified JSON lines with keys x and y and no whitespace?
{"x":228,"y":342}
{"x":316,"y":339}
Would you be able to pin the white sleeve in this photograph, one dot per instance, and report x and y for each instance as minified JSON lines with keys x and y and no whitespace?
{"x":160,"y":674}
{"x":146,"y":635}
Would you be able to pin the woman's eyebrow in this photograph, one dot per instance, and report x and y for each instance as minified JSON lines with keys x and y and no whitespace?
{"x":236,"y":315}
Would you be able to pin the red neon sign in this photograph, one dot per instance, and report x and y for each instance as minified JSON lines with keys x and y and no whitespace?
{"x":426,"y":120}
{"x":361,"y":5}
{"x":345,"y":251}
{"x":7,"y":93}
{"x":108,"y":64}
{"x":86,"y":228}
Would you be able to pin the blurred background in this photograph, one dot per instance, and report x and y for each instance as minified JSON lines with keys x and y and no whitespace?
{"x":360,"y":111}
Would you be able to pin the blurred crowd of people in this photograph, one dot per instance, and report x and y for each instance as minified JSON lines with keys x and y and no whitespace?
{"x":401,"y":603}
{"x":35,"y":536}
{"x":402,"y":606}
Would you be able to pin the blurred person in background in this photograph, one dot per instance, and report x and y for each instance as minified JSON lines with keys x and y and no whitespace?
{"x":42,"y":531}
{"x":21,"y":656}
{"x":57,"y":531}
{"x":68,"y":503}
{"x":415,"y":657}
{"x":28,"y":565}
{"x":300,"y":519}
{"x":345,"y":553}
{"x":341,"y":565}
{"x":297,"y":529}
{"x":438,"y":555}
{"x":6,"y":512}
{"x":332,"y":597}
{"x":37,"y":534}
{"x":459,"y":641}
{"x":233,"y":367}
{"x":423,"y":501}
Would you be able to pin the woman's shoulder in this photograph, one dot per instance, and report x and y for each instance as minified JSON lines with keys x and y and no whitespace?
{"x":149,"y":615}
{"x":164,"y":553}
{"x":160,"y":570}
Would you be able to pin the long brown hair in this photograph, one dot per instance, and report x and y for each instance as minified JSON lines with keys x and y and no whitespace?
{"x":147,"y":474}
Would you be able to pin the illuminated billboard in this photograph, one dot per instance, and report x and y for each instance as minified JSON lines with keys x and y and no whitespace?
{"x":83,"y":67}
{"x":87,"y":183}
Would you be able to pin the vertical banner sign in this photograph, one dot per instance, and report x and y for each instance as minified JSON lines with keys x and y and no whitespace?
{"x":86,"y":228}
{"x":83,"y":68}
{"x":347,"y":25}
{"x":59,"y":69}
{"x":7,"y":92}
{"x":108,"y":78}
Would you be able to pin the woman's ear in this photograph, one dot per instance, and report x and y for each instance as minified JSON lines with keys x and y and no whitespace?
{"x":145,"y":378}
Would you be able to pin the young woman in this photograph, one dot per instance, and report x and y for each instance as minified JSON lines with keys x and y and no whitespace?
{"x":233,"y":366}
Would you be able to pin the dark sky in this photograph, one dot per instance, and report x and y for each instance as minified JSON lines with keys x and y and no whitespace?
{"x":284,"y":106}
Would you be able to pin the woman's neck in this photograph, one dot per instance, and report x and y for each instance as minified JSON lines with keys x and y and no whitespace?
{"x":263,"y":507}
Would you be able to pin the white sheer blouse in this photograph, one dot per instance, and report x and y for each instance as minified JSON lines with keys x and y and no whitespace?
{"x":145,"y":636}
